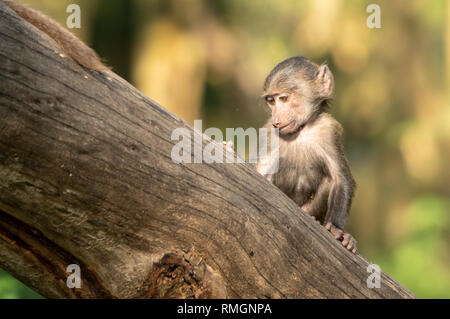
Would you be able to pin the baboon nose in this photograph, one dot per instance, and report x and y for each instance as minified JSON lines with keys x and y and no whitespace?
{"x":276,"y":124}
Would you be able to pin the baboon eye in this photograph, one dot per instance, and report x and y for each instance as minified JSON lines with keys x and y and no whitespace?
{"x":283,"y":98}
{"x":269,"y":99}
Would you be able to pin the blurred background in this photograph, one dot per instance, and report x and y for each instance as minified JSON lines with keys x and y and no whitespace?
{"x":208,"y":59}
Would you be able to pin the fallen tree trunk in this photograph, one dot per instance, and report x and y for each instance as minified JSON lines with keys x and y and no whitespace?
{"x":86,"y":178}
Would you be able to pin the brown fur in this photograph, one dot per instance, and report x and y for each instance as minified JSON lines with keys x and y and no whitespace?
{"x":69,"y":43}
{"x":313,"y":169}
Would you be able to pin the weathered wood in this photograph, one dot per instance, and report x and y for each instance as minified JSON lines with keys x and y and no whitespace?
{"x":86,"y":177}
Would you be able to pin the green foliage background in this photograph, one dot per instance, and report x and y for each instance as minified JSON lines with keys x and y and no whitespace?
{"x":392,"y":97}
{"x":11,"y":288}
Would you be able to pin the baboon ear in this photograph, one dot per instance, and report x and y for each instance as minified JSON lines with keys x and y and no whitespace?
{"x":325,"y":81}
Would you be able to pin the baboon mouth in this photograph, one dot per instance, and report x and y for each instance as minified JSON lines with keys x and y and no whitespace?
{"x":291,"y":134}
{"x":286,"y":125}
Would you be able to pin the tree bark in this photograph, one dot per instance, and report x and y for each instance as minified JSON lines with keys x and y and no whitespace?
{"x":86,"y":178}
